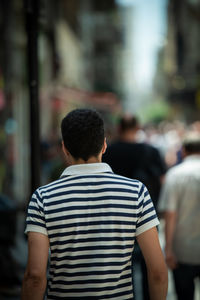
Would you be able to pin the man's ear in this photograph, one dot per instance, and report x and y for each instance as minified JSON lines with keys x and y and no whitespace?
{"x":104,"y":146}
{"x":65,"y":151}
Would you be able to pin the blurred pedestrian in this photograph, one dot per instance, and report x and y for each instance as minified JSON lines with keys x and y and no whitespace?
{"x":129,"y":157}
{"x":180,"y":203}
{"x":137,"y":160}
{"x":90,"y":219}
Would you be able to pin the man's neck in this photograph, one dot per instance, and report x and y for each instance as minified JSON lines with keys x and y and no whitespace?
{"x":91,"y":160}
{"x":129,"y":136}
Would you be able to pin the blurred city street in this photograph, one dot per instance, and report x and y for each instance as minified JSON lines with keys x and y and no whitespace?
{"x":136,"y":58}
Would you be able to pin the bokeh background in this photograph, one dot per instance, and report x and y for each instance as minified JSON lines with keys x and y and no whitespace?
{"x":117,"y":56}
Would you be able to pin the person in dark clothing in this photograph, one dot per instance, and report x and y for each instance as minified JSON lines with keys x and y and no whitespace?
{"x":136,"y":160}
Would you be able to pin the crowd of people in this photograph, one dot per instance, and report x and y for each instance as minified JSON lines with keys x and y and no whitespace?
{"x":167,"y":159}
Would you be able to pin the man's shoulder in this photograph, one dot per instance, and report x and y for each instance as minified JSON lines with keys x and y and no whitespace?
{"x":49,"y":186}
{"x":125,"y":179}
{"x":107,"y":178}
{"x":176,"y":170}
{"x":120,"y":146}
{"x":133,"y":146}
{"x":149,"y":147}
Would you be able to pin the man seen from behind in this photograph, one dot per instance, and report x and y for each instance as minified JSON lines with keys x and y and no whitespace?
{"x":180,"y":204}
{"x":90,"y":219}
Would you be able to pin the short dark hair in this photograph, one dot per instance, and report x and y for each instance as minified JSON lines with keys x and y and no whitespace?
{"x":128,"y":122}
{"x":83,"y":133}
{"x":191,"y":142}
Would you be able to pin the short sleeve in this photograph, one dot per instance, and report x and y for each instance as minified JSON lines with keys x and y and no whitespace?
{"x":35,"y":221}
{"x":147,"y":217}
{"x":168,"y":195}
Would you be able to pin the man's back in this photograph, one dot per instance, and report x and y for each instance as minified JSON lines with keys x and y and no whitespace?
{"x":92,"y":218}
{"x":181,"y":194}
{"x":124,"y":157}
{"x":138,"y":161}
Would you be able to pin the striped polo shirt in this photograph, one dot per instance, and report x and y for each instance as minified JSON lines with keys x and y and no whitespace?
{"x":92,"y":217}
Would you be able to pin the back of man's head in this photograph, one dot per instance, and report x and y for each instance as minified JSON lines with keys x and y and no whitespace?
{"x":83,"y":133}
{"x":191,"y":143}
{"x":128,"y":123}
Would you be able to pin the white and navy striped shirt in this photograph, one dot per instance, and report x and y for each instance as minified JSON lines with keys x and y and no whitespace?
{"x":92,"y":218}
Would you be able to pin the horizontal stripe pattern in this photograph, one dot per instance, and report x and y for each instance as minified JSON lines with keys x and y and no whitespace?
{"x":92,"y":221}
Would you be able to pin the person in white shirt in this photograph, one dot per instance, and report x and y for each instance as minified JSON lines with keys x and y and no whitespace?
{"x":180,"y":205}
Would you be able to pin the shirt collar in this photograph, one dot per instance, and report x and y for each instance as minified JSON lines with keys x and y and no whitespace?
{"x":84,"y":169}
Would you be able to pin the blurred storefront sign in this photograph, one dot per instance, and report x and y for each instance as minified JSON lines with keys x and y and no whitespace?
{"x":72,"y":97}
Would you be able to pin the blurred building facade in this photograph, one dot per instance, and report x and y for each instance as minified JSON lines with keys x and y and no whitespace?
{"x":78,"y":52}
{"x":85,"y":59}
{"x":178,"y":74}
{"x":14,"y":123}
